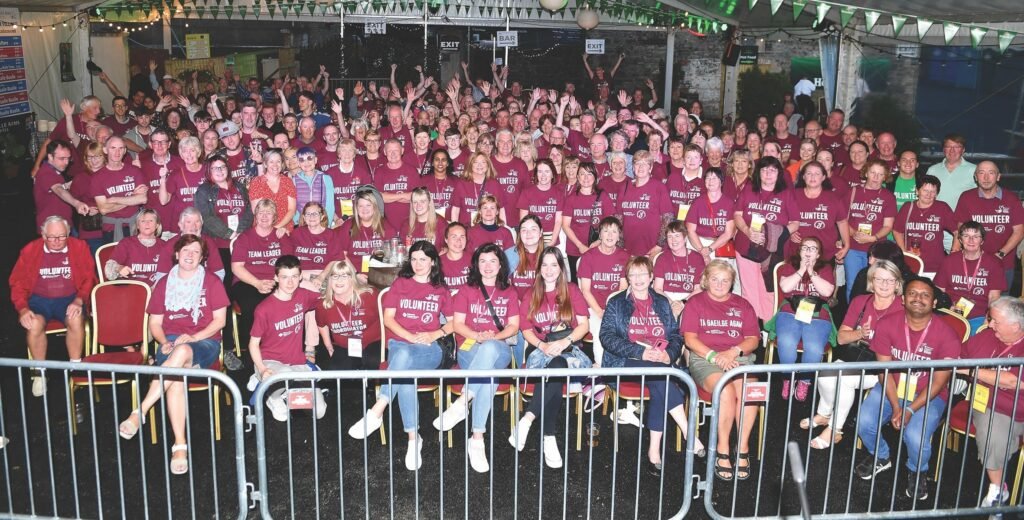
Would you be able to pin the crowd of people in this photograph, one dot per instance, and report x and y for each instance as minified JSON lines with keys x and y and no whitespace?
{"x":541,"y":228}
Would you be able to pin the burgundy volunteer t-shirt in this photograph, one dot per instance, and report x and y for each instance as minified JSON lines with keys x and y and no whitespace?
{"x":418,"y":306}
{"x":720,"y":325}
{"x":212,"y":297}
{"x":603,"y":271}
{"x":279,"y":325}
{"x":940,"y":342}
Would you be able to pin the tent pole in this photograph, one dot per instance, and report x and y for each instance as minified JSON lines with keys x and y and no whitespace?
{"x":670,"y":53}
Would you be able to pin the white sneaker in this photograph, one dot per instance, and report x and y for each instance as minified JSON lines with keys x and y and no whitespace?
{"x":522,"y":431}
{"x":321,"y":404}
{"x":552,"y":457}
{"x":413,"y":460}
{"x":4,"y":441}
{"x":365,"y":426}
{"x":626,"y":416}
{"x":478,"y":455}
{"x":278,"y":408}
{"x":39,"y":386}
{"x":455,"y":414}
{"x":996,"y":496}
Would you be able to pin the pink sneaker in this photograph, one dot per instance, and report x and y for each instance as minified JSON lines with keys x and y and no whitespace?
{"x":802,"y":388}
{"x":785,"y":389}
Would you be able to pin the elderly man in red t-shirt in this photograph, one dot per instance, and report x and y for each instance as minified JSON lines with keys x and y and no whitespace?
{"x":51,"y":281}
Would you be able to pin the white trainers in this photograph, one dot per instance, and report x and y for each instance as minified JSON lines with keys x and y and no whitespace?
{"x":321,"y":404}
{"x":4,"y":441}
{"x":413,"y":460}
{"x":455,"y":414}
{"x":626,"y":416}
{"x":522,"y":431}
{"x":365,"y":426}
{"x":996,"y":496}
{"x":39,"y":386}
{"x":278,"y":408}
{"x":478,"y":455}
{"x":552,"y":457}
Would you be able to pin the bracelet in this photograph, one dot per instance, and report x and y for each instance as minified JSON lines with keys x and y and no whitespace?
{"x":909,"y":409}
{"x":710,"y":356}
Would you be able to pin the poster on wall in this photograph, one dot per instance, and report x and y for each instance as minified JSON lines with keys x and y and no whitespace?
{"x":67,"y":69}
{"x":197,"y":46}
{"x":13,"y":83}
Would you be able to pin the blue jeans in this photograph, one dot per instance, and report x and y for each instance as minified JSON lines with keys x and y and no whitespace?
{"x":487,"y":355}
{"x":661,"y":394}
{"x":408,"y":356}
{"x":853,"y":263}
{"x":917,"y":432}
{"x":791,"y":332}
{"x":519,"y":350}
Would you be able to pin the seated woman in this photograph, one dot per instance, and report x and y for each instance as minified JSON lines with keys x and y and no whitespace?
{"x":347,"y":319}
{"x":455,"y":262}
{"x":971,"y":277}
{"x":885,"y":285}
{"x":314,"y":244}
{"x":252,"y":262}
{"x":136,"y":257}
{"x":640,"y":330}
{"x":523,"y":256}
{"x":187,"y":311}
{"x":602,"y":271}
{"x":721,"y":333}
{"x":488,"y":226}
{"x":806,"y":282}
{"x":554,"y":318}
{"x":417,"y":313}
{"x":677,"y":271}
{"x":424,"y":223}
{"x":359,"y":237}
{"x":486,"y":318}
{"x":709,"y":223}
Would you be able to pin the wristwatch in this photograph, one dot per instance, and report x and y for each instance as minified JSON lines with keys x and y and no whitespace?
{"x":1000,"y":254}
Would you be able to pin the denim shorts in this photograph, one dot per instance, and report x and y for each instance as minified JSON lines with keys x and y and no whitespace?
{"x":204,"y":352}
{"x":54,"y":309}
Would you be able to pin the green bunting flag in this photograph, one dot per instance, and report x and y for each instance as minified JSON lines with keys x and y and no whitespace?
{"x":870,"y":19}
{"x":1005,"y":37}
{"x":776,"y":4}
{"x":846,"y":14}
{"x":949,"y":30}
{"x":822,"y":11}
{"x":922,"y":27}
{"x":897,"y":24}
{"x":977,"y":33}
{"x":798,"y":7}
{"x":752,"y":4}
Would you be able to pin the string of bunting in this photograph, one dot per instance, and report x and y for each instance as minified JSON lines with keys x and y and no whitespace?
{"x":40,"y":27}
{"x":872,"y":16}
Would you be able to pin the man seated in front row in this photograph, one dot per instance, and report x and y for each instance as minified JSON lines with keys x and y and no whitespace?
{"x":51,"y":281}
{"x":912,"y":401}
{"x":276,"y":341}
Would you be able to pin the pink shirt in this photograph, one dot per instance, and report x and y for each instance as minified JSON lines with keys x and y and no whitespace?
{"x":456,"y":272}
{"x":478,"y":235}
{"x":642,"y":209}
{"x":544,"y":204}
{"x":366,"y":241}
{"x":681,"y":274}
{"x":181,"y":186}
{"x":315,"y":251}
{"x":818,"y":218}
{"x":259,"y":253}
{"x":54,"y":275}
{"x":109,"y":183}
{"x":345,"y":183}
{"x":470,"y":301}
{"x":403,"y":179}
{"x":870,"y":207}
{"x":774,"y":208}
{"x":710,"y":217}
{"x":47,"y":202}
{"x":143,"y":260}
{"x":545,"y":317}
{"x":971,"y":279}
{"x":356,"y":322}
{"x":985,"y":345}
{"x":584,"y":212}
{"x":997,"y":215}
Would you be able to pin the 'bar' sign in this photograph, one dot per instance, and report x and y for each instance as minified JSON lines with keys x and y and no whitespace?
{"x":507,"y":39}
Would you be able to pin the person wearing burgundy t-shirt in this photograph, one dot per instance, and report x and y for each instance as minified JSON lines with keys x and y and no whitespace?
{"x":999,"y":211}
{"x":553,"y":305}
{"x":831,"y":137}
{"x":275,"y":344}
{"x":852,"y":170}
{"x":423,"y":223}
{"x":806,"y":282}
{"x":417,"y":313}
{"x":137,"y":257}
{"x":396,"y":128}
{"x":677,"y":270}
{"x":819,"y":213}
{"x":348,"y":320}
{"x":644,"y":208}
{"x":396,"y":180}
{"x":639,"y":330}
{"x":468,"y":193}
{"x":787,"y":142}
{"x":709,"y":222}
{"x":523,"y":257}
{"x":120,"y":190}
{"x":187,"y":311}
{"x":441,"y":182}
{"x":999,"y":418}
{"x":455,"y":262}
{"x":253,"y":255}
{"x":486,"y":320}
{"x":511,"y":172}
{"x":922,"y":224}
{"x":685,"y":185}
{"x":488,"y":225}
{"x":191,"y":223}
{"x":178,"y":189}
{"x":544,"y":199}
{"x":158,"y":164}
{"x":884,"y":285}
{"x":871,"y":214}
{"x":601,"y":272}
{"x":51,"y":197}
{"x":347,"y":175}
{"x":917,"y":404}
{"x":971,"y":277}
{"x":585,"y":207}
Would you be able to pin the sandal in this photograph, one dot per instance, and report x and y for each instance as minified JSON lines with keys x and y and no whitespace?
{"x":128,"y":429}
{"x":824,"y":441}
{"x":805,"y":423}
{"x":742,"y":472}
{"x":179,"y":466}
{"x":722,"y":472}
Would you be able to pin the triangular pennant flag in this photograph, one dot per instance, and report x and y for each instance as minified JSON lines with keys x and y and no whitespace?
{"x":821,"y":12}
{"x":187,"y":10}
{"x":776,"y":4}
{"x":201,"y":11}
{"x":752,"y":3}
{"x":312,"y":9}
{"x":798,"y":7}
{"x":215,"y":11}
{"x":229,"y":10}
{"x":922,"y":27}
{"x":846,"y":14}
{"x":243,"y":10}
{"x":977,"y":33}
{"x":270,"y":9}
{"x":298,"y":9}
{"x":870,"y":18}
{"x":131,"y":10}
{"x":949,"y":31}
{"x":897,"y":23}
{"x":1005,"y":37}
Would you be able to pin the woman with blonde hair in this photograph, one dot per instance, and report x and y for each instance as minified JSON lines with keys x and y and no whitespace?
{"x":276,"y":185}
{"x":367,"y":231}
{"x":348,"y":320}
{"x":424,"y":223}
{"x":479,"y":180}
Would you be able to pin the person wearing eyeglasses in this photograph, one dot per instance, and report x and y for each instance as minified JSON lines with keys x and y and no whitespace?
{"x":51,"y":281}
{"x":971,"y":277}
{"x":312,"y":185}
{"x":347,"y":319}
{"x":999,"y":211}
{"x":50,"y":194}
{"x":954,"y":172}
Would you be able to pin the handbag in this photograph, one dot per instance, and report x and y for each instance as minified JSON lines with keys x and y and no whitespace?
{"x":728,"y":249}
{"x":859,"y":350}
{"x":449,"y":352}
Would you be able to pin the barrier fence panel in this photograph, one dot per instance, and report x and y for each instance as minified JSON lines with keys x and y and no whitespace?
{"x":64,"y":456}
{"x":313,"y":468}
{"x":852,"y":477}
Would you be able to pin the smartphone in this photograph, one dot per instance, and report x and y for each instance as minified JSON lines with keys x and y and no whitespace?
{"x":660,"y":345}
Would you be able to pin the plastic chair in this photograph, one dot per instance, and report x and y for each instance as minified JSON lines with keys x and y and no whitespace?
{"x":384,"y":363}
{"x":119,"y":318}
{"x":104,"y":253}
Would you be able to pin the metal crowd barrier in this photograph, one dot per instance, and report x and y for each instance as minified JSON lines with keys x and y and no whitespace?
{"x":834,"y":489}
{"x":323,"y":472}
{"x":65,"y":459}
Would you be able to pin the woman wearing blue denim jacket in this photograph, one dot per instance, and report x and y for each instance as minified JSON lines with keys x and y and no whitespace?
{"x":640,"y":330}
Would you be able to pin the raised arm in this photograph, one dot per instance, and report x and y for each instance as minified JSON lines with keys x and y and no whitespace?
{"x":110,"y":84}
{"x":394,"y":84}
{"x":586,"y":65}
{"x":622,"y":56}
{"x":68,"y":108}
